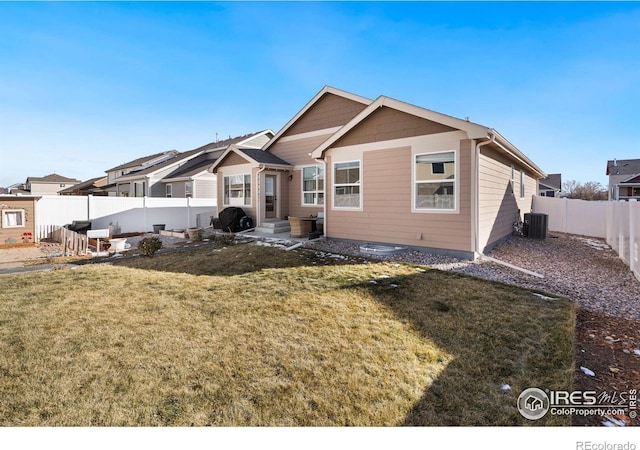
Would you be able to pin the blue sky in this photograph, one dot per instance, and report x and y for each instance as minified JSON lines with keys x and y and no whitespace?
{"x":87,"y":86}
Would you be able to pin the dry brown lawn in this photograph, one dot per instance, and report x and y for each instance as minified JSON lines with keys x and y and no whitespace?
{"x":255,"y":336}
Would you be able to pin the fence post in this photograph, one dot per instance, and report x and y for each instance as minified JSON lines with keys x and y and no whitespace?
{"x":623,"y":205}
{"x":145,"y":214}
{"x":189,"y":213}
{"x":633,"y":204}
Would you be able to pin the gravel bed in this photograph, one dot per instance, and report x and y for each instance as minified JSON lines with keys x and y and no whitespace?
{"x":583,"y":269}
{"x":167,"y":241}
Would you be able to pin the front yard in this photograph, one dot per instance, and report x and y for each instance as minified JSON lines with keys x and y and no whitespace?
{"x":250,"y":335}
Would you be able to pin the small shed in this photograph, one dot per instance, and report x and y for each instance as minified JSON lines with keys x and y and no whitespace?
{"x":17,"y":219}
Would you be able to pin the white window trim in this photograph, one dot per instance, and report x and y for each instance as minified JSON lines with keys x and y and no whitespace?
{"x":317,"y":191}
{"x":22,"y":213}
{"x":251,"y":181}
{"x":333,"y":186}
{"x":513,"y":180}
{"x":186,"y":192}
{"x":168,"y":190}
{"x":456,"y":184}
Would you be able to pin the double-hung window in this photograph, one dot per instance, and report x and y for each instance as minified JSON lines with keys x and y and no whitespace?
{"x":346,"y":183}
{"x":521,"y":184}
{"x":313,"y":185}
{"x":237,"y":190}
{"x":435,"y":181}
{"x":12,"y":218}
{"x":188,"y":189}
{"x":168,"y":189}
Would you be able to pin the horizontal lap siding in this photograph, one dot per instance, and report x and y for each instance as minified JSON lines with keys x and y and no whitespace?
{"x":498,"y":204}
{"x":296,"y":208}
{"x":246,"y":169}
{"x":329,"y":111}
{"x":296,"y":151}
{"x":387,"y":195}
{"x":387,"y":124}
{"x":16,"y":234}
{"x":205,"y":187}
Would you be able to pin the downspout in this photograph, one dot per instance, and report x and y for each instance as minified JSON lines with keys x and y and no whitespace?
{"x":475,"y":219}
{"x":324,"y":203}
{"x":476,"y":215}
{"x":258,"y":211}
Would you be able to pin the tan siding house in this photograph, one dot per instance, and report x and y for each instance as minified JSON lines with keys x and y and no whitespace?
{"x":17,"y":219}
{"x":385,"y":171}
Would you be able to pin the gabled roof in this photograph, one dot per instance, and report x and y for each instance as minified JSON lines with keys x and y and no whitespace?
{"x":552,"y":181}
{"x":195,"y":166}
{"x":143,"y":160}
{"x":175,"y":159}
{"x":473,"y":130}
{"x":240,"y":141}
{"x":258,"y":157}
{"x":52,"y":178}
{"x":311,"y":103}
{"x":85,"y":185}
{"x":211,"y":152}
{"x":634,"y":179}
{"x":623,"y":167}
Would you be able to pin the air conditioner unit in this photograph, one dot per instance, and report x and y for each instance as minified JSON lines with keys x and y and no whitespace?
{"x":536,"y":225}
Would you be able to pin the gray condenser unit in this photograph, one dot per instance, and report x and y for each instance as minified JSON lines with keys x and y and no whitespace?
{"x":536,"y":225}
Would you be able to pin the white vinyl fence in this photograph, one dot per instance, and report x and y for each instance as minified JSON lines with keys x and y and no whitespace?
{"x":125,"y":214}
{"x":616,"y":222}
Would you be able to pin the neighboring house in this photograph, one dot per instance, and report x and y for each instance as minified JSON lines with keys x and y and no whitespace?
{"x":50,"y":184}
{"x":193,"y":179}
{"x":94,"y":186}
{"x":550,"y":186}
{"x":17,"y":188}
{"x":385,"y":171}
{"x":147,"y":181}
{"x":17,"y":218}
{"x":114,"y":175}
{"x":624,"y":179}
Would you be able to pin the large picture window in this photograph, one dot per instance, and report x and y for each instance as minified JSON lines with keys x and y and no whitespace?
{"x":435,"y":181}
{"x":313,"y":185}
{"x":346,"y":182}
{"x":237,"y":190}
{"x":12,"y":218}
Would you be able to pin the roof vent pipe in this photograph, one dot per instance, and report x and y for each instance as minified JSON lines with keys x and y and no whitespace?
{"x":615,"y":162}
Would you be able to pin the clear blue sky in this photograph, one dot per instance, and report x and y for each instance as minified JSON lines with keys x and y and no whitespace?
{"x":87,"y":86}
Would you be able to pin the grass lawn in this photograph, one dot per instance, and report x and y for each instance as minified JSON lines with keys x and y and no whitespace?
{"x":254,"y":336}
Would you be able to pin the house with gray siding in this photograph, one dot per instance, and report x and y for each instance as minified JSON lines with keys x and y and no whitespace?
{"x":193,"y":179}
{"x":624,"y":179}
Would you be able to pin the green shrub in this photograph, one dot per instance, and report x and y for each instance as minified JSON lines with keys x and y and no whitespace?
{"x":149,"y":245}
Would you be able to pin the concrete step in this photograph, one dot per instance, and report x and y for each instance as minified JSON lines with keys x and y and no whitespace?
{"x":274,"y":227}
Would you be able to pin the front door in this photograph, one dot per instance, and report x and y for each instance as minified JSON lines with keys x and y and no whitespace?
{"x":270,"y":196}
